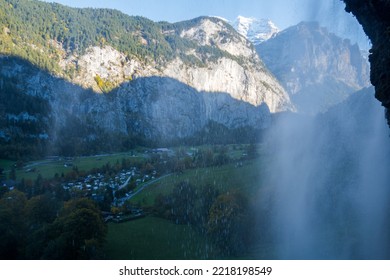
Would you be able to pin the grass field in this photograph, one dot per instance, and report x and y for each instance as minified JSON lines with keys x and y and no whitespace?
{"x":155,"y":238}
{"x":247,"y":178}
{"x":48,"y":168}
{"x":151,"y":237}
{"x":6,"y":164}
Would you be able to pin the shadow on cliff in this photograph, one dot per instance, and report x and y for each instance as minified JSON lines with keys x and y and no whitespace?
{"x":42,"y":114}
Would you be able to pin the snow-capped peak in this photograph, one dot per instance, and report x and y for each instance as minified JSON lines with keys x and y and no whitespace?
{"x":255,"y":30}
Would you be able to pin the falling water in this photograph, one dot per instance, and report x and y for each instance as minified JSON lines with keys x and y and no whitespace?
{"x":332,"y":15}
{"x":330,"y":183}
{"x":329,"y":180}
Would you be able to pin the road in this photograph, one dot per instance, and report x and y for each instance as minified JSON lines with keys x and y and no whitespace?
{"x":125,"y":183}
{"x":148,"y":184}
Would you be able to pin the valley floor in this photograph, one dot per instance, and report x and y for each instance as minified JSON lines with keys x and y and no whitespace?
{"x":157,"y":203}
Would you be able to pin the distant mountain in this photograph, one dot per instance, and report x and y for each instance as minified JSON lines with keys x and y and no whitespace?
{"x":83,"y":76}
{"x":255,"y":30}
{"x":317,"y":68}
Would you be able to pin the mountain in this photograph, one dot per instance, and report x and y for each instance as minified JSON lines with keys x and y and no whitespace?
{"x":103,"y":48}
{"x":255,"y":30}
{"x":90,"y":80}
{"x":317,"y":68}
{"x":41,"y":113}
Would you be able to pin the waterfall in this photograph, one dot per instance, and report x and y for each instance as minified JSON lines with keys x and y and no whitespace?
{"x":330,"y":183}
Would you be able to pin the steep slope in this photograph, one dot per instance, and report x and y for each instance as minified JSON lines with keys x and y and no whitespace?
{"x":41,"y":114}
{"x":75,"y":81}
{"x":101,"y":49}
{"x":317,"y":68}
{"x":228,"y":64}
{"x":255,"y":30}
{"x":214,"y":59}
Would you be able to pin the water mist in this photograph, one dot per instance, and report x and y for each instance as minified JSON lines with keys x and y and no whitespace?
{"x":329,"y":183}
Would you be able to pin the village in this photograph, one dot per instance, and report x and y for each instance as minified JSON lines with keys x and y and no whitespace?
{"x":112,"y":180}
{"x":117,"y":188}
{"x":94,"y":185}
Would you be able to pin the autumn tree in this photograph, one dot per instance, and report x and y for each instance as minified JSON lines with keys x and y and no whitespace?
{"x":78,"y":233}
{"x":228,"y":222}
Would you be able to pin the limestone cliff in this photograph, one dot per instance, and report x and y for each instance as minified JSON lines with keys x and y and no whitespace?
{"x":40,"y":109}
{"x":223,"y":61}
{"x":100,"y":79}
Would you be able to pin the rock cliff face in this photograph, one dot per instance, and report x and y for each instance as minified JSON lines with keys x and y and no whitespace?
{"x":223,"y":61}
{"x":37,"y":106}
{"x":107,"y":63}
{"x":373,"y":15}
{"x":206,"y":74}
{"x":98,"y":78}
{"x":226,"y":68}
{"x":240,"y":72}
{"x":317,"y":68}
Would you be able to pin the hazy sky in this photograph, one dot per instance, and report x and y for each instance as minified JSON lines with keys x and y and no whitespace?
{"x":283,"y":13}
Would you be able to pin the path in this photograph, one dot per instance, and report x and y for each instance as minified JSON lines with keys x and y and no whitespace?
{"x":147,"y":184}
{"x":125,"y":183}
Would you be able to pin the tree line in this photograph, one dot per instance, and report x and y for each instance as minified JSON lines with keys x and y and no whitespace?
{"x":43,"y":227}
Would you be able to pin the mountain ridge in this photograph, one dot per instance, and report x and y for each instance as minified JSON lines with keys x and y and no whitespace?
{"x":317,"y":68}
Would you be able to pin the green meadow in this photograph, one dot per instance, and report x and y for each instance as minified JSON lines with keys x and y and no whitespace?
{"x":155,"y":238}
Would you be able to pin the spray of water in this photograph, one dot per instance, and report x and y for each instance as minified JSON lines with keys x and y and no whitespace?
{"x":330,"y":185}
{"x":332,"y":15}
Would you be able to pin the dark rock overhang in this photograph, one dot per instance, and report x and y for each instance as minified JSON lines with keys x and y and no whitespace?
{"x":373,"y":15}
